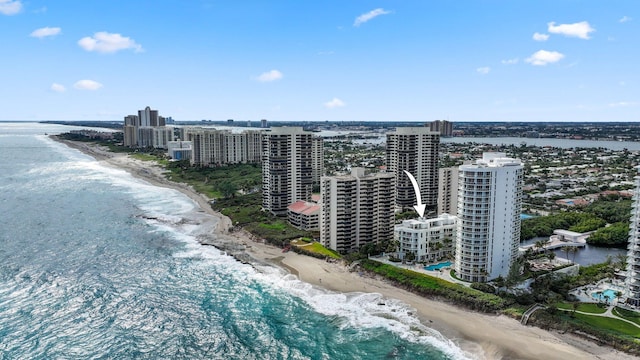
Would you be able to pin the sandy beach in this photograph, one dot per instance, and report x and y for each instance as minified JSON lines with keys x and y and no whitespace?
{"x":495,"y":337}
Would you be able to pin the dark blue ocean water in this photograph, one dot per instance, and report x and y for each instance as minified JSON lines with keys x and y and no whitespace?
{"x":84,"y":273}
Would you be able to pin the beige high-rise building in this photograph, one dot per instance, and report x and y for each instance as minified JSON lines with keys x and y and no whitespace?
{"x":212,"y":147}
{"x":414,"y":149}
{"x":317,"y":160}
{"x":489,"y":206}
{"x":357,"y":209}
{"x":444,"y":127}
{"x":147,"y":129}
{"x":287,"y":171}
{"x":448,"y":190}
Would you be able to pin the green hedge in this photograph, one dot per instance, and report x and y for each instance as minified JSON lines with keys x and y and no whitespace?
{"x":427,"y":285}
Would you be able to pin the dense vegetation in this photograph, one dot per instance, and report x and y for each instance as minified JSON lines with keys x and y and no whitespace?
{"x":608,"y":210}
{"x":246,"y":211}
{"x":544,"y":225}
{"x":218,"y":181}
{"x":615,"y":235}
{"x":428,"y":285}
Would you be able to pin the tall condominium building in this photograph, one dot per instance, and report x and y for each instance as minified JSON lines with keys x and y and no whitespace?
{"x":489,"y":206}
{"x":632,"y":282}
{"x":213,"y":147}
{"x":448,"y":190}
{"x":287,"y":173}
{"x":427,"y":239}
{"x":444,"y":127}
{"x":317,"y":160}
{"x":357,"y":209}
{"x":414,"y":149}
{"x":150,"y":117}
{"x":147,"y":129}
{"x":130,"y":130}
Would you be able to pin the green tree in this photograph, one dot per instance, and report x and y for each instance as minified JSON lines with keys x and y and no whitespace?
{"x":227,"y":189}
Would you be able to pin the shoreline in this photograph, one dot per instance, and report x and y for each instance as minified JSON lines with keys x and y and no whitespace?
{"x":493,"y":336}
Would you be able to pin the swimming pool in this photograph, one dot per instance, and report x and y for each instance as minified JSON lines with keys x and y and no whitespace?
{"x":438,"y":266}
{"x":608,"y":294}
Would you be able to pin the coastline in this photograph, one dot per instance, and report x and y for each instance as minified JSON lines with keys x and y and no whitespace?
{"x":497,"y":337}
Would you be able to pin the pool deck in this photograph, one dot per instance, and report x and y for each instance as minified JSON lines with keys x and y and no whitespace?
{"x":585,"y":293}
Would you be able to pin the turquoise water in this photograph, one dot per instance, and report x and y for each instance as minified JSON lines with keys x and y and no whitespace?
{"x":97,"y":264}
{"x":526,"y":216}
{"x":611,"y":294}
{"x":438,"y":266}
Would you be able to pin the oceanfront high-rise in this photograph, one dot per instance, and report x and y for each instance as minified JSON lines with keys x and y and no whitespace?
{"x":147,"y":129}
{"x":489,"y":206}
{"x":287,"y":168}
{"x":448,"y":190}
{"x":632,"y":282}
{"x":414,"y":149}
{"x":357,"y":209}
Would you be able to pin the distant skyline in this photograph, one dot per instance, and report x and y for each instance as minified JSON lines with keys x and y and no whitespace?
{"x":291,"y":60}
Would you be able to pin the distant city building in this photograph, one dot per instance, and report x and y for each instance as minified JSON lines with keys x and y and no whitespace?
{"x":304,"y":215}
{"x":448,"y":190}
{"x":444,"y":127}
{"x":263,"y":123}
{"x":632,"y":281}
{"x":230,"y":122}
{"x":213,"y":147}
{"x":414,"y":149}
{"x":180,"y":150}
{"x":489,"y":206}
{"x":357,"y":209}
{"x":427,"y":239}
{"x":147,"y":129}
{"x":287,"y":173}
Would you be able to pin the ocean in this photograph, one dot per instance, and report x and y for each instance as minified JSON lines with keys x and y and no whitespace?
{"x":96,"y":264}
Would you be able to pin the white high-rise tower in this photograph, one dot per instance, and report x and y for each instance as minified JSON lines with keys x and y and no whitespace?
{"x":632,"y":282}
{"x":489,"y":206}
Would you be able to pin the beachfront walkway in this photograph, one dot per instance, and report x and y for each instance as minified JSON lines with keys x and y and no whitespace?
{"x":607,"y":313}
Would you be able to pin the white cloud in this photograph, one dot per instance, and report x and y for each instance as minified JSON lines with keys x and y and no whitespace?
{"x":544,"y":57}
{"x":104,"y":42}
{"x":58,"y":88}
{"x":580,"y":29}
{"x":510,"y":61}
{"x":272,"y":75}
{"x":87,"y":85}
{"x":45,"y":31}
{"x":622,"y":104}
{"x":370,"y":15}
{"x":483,"y":70}
{"x":334,"y":103}
{"x":540,"y":37}
{"x":10,"y":7}
{"x":625,"y":19}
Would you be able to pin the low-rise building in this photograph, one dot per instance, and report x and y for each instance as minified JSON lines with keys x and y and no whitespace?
{"x":304,"y":215}
{"x":180,"y":150}
{"x":427,"y":239}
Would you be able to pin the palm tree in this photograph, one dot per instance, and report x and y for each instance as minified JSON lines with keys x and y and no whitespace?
{"x":566,"y":250}
{"x":574,"y":251}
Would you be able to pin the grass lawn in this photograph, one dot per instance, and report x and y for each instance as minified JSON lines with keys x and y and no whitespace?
{"x":278,"y":225}
{"x":609,"y":324}
{"x":584,"y":307}
{"x":317,"y":248}
{"x":627,"y":315}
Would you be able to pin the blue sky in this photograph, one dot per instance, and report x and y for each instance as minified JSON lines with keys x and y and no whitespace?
{"x":411,"y":60}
